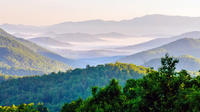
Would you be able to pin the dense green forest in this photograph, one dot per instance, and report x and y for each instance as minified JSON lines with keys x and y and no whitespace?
{"x":159,"y":91}
{"x":55,"y":89}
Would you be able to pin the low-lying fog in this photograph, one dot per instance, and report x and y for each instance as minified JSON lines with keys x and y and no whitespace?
{"x":107,"y":47}
{"x":107,"y":43}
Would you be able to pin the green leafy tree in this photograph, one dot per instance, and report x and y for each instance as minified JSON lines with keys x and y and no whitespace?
{"x":168,"y":65}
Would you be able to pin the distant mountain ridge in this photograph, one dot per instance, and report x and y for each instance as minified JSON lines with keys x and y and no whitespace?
{"x":149,"y":25}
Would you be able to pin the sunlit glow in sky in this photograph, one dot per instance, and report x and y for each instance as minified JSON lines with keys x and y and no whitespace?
{"x":46,"y":12}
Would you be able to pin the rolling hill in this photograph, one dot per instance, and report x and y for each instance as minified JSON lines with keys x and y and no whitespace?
{"x":186,"y":46}
{"x":44,"y":52}
{"x":18,"y":59}
{"x":56,"y":89}
{"x":159,"y":42}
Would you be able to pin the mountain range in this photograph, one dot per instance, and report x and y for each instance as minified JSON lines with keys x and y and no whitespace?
{"x":59,"y":38}
{"x":149,"y":25}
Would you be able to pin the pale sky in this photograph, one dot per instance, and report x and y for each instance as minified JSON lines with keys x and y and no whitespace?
{"x":46,"y":12}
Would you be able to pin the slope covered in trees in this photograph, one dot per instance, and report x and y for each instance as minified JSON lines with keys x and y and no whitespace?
{"x":56,"y":89}
{"x":18,"y":59}
{"x":46,"y":53}
{"x":159,"y":91}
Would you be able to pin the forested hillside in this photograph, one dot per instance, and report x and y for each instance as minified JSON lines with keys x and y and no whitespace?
{"x":44,"y":52}
{"x":18,"y":59}
{"x":164,"y":90}
{"x":158,"y":91}
{"x":56,"y":89}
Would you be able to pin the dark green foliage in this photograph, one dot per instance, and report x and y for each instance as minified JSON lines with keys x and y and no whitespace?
{"x":94,"y":90}
{"x":158,"y":91}
{"x":56,"y":89}
{"x":108,"y":99}
{"x":71,"y":107}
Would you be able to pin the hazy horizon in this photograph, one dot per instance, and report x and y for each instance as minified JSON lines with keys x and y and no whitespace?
{"x":60,"y":22}
{"x":48,"y":12}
